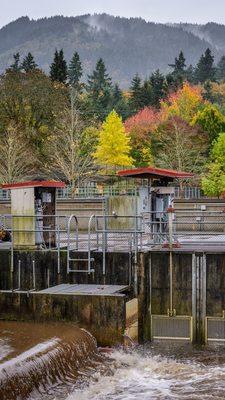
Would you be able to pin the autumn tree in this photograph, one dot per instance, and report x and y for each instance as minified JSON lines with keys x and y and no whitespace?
{"x":211,"y":120}
{"x":31,"y":101}
{"x":183,"y":147}
{"x":142,"y":130}
{"x":184,"y":103}
{"x":114,"y":144}
{"x":213,"y":182}
{"x":70,"y":149}
{"x":18,"y":160}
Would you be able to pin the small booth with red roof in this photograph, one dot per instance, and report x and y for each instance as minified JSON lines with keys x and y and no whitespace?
{"x":158,"y":193}
{"x":33,"y":209}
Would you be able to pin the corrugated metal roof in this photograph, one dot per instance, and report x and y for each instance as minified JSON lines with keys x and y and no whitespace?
{"x":50,"y":184}
{"x":151,"y":172}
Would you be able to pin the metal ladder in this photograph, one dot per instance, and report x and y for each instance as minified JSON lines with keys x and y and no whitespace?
{"x":89,"y":260}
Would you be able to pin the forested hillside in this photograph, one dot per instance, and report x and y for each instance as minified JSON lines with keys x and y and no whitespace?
{"x":128,"y":46}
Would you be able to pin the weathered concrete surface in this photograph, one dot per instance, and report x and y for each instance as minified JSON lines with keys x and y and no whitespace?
{"x":198,"y":281}
{"x":118,"y":269}
{"x":103,"y":316}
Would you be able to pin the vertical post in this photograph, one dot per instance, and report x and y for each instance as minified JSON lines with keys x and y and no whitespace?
{"x":12,"y":254}
{"x":170,"y":223}
{"x":34,"y":277}
{"x":203,"y":297}
{"x":194,"y":297}
{"x":58,"y":244}
{"x":19,"y":276}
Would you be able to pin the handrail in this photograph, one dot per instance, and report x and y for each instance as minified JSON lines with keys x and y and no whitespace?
{"x":68,"y":238}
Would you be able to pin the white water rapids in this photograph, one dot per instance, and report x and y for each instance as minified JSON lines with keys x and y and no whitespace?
{"x":139,"y":375}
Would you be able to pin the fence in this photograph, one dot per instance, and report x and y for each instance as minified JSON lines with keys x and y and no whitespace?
{"x":185,"y":227}
{"x":92,"y":192}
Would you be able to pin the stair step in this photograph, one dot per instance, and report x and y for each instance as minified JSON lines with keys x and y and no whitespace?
{"x":81,"y":259}
{"x":82,"y":270}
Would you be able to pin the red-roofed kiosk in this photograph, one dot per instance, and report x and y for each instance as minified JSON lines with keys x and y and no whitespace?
{"x":33,"y":207}
{"x":158,"y":194}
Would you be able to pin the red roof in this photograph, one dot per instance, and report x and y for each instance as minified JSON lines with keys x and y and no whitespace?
{"x":49,"y":184}
{"x":151,"y":172}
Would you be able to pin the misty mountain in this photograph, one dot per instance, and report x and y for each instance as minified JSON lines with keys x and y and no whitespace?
{"x":128,"y":46}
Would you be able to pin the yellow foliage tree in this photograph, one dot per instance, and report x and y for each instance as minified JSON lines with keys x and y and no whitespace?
{"x":114,"y":144}
{"x":185,"y":103}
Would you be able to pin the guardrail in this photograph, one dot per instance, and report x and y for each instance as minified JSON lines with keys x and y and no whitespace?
{"x":109,"y":191}
{"x":184,"y":227}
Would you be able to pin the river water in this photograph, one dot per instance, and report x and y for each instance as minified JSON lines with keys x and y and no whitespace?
{"x":62,"y":362}
{"x":155,"y":373}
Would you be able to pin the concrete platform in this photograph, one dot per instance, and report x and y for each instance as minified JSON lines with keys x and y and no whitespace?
{"x":86,"y":290}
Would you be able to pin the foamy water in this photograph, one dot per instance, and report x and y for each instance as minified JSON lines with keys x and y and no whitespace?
{"x":135,"y":376}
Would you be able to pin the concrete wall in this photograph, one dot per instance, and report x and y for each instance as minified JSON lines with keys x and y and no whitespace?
{"x":198,"y":288}
{"x":119,"y":269}
{"x":103,"y":316}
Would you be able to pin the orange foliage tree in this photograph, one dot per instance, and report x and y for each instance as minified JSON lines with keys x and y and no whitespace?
{"x":141,"y":128}
{"x":184,"y":103}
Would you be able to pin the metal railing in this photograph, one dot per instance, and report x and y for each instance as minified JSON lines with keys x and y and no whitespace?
{"x":185,"y":227}
{"x":90,"y":192}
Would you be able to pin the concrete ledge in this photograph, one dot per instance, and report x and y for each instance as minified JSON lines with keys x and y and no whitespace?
{"x":103,"y":316}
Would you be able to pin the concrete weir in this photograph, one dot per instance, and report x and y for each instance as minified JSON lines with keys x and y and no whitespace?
{"x":180,"y":294}
{"x":94,"y":302}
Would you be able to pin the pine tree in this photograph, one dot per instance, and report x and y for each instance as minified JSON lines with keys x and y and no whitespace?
{"x":205,"y":69}
{"x":28,"y":63}
{"x":75,"y":72}
{"x":221,"y":69}
{"x":146,"y":91}
{"x":58,"y":68}
{"x":159,"y":89}
{"x":136,"y":94}
{"x":190,"y":74}
{"x":179,"y":64}
{"x":118,"y":102}
{"x":208,"y":93}
{"x":177,"y":76}
{"x":16,"y":67}
{"x":99,"y":90}
{"x":114,"y":144}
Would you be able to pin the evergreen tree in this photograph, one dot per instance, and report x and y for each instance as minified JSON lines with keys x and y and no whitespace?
{"x":205,"y":69}
{"x":28,"y":63}
{"x":58,"y":68}
{"x":190,"y":74}
{"x":75,"y":72}
{"x":221,"y":69}
{"x":146,"y":91}
{"x":99,"y":90}
{"x":208,"y":94}
{"x":136,"y":94}
{"x":118,"y":102}
{"x":159,"y":88}
{"x":16,"y":67}
{"x":176,"y":78}
{"x":179,"y":65}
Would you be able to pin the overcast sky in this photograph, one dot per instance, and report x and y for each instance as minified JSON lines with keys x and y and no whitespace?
{"x":200,"y":11}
